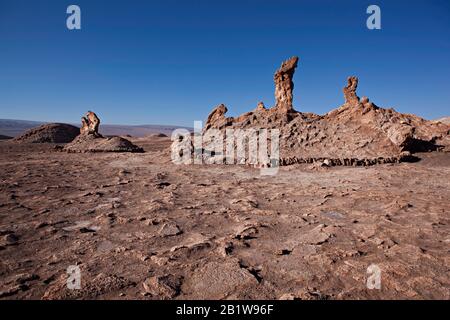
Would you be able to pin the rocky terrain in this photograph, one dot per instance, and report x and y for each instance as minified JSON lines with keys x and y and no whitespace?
{"x":356,"y":133}
{"x":90,"y":140}
{"x":365,"y":187}
{"x":15,"y":128}
{"x":140,"y":227}
{"x":445,"y":120}
{"x":50,"y":133}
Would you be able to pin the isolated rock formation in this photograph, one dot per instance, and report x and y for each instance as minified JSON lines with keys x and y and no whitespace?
{"x":350,"y":91}
{"x":50,"y":133}
{"x":217,"y":118}
{"x":356,"y":133}
{"x":90,"y":124}
{"x":90,"y":140}
{"x":284,"y":85}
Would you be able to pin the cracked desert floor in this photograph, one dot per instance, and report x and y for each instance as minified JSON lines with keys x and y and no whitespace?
{"x":140,"y":227}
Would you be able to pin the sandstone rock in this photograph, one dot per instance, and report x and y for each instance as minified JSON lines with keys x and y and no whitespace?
{"x":11,"y":238}
{"x":358,"y":133}
{"x":50,"y":133}
{"x":217,"y":117}
{"x":90,"y":140}
{"x":163,"y":287}
{"x":350,"y":91}
{"x":260,"y":107}
{"x":169,"y":229}
{"x":315,"y":236}
{"x":217,"y":280}
{"x":90,"y":124}
{"x":96,"y":286}
{"x":284,"y":85}
{"x":247,"y":231}
{"x":193,"y":242}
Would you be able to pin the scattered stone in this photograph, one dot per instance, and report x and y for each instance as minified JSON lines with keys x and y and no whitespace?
{"x":194,"y":242}
{"x":90,"y":140}
{"x":246,"y":232}
{"x":26,"y":277}
{"x":217,"y":280}
{"x":11,"y":238}
{"x":163,"y":287}
{"x":287,"y":296}
{"x":159,"y":260}
{"x":41,"y":225}
{"x":169,"y":229}
{"x":315,"y":236}
{"x":78,"y":225}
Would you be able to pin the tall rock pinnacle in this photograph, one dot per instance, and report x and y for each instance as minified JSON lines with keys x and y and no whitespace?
{"x":284,"y":84}
{"x":350,"y":95}
{"x":89,"y":124}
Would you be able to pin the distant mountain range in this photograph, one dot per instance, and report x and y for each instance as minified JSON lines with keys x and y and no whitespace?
{"x":14,"y":128}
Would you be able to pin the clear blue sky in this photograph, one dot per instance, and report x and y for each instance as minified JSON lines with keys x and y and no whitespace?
{"x":171,"y":62}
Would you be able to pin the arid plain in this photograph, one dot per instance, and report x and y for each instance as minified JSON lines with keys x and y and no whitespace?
{"x":140,"y":227}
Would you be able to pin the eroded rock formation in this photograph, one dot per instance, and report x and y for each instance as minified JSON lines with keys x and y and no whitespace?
{"x":90,"y":124}
{"x":349,"y":90}
{"x":217,"y":117}
{"x":284,"y":85}
{"x":49,"y":133}
{"x":356,"y":133}
{"x":90,"y":140}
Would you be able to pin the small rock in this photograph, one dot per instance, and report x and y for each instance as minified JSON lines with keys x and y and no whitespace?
{"x":326,"y":163}
{"x":287,"y":296}
{"x":163,"y":287}
{"x":315,"y":236}
{"x":246,"y":232}
{"x":160,"y":261}
{"x":11,"y":238}
{"x":26,"y":277}
{"x":41,"y":225}
{"x":169,"y":229}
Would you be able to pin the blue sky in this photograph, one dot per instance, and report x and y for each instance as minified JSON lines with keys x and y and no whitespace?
{"x":171,"y":62}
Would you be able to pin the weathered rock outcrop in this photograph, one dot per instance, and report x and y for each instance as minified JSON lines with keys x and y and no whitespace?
{"x":350,"y":91}
{"x":50,"y":133}
{"x":356,"y":133}
{"x":90,"y":140}
{"x":217,"y":118}
{"x":90,"y":124}
{"x":284,"y":85}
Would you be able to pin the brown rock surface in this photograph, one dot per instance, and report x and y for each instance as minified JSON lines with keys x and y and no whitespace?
{"x":350,"y":91}
{"x":302,"y":234}
{"x":90,"y":140}
{"x":356,"y":133}
{"x":284,"y":85}
{"x":92,"y":143}
{"x":50,"y":133}
{"x":90,"y":124}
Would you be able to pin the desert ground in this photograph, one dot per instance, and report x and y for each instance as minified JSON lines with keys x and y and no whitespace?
{"x":140,"y":227}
